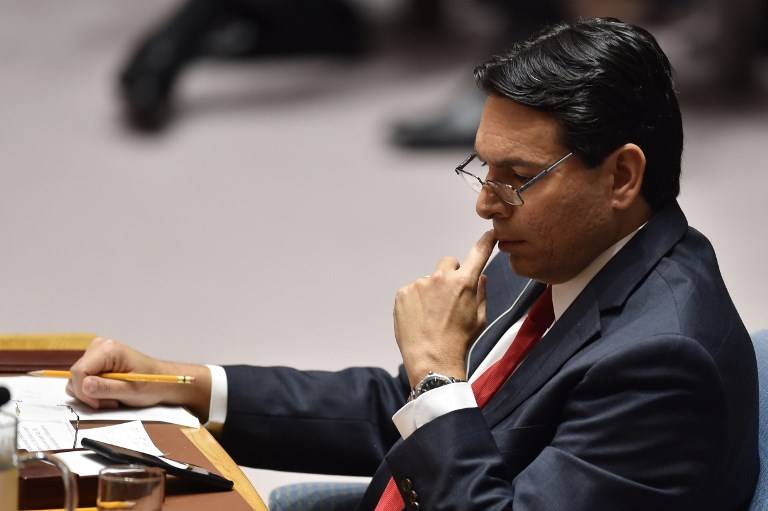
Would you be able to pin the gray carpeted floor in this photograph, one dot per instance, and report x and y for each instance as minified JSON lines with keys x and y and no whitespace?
{"x":273,"y":224}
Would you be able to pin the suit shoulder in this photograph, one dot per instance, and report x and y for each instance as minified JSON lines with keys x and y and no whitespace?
{"x":686,"y":293}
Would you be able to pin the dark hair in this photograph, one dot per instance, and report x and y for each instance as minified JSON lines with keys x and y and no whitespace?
{"x":606,"y":83}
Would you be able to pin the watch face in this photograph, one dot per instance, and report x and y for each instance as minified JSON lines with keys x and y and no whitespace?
{"x":433,"y":381}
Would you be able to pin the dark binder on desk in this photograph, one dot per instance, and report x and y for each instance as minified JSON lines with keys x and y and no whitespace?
{"x":198,"y":477}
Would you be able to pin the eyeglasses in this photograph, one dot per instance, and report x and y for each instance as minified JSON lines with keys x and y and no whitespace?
{"x":504,"y":191}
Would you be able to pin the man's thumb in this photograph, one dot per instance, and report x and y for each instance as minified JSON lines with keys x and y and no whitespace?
{"x":102,"y":388}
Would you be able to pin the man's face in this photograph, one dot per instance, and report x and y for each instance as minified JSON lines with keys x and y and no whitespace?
{"x":566,"y":220}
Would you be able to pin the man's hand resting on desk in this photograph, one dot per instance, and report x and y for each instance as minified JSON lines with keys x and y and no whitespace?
{"x":106,"y":355}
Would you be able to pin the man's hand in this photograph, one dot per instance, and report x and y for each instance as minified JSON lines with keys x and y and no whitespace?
{"x":436,"y":317}
{"x":106,"y":355}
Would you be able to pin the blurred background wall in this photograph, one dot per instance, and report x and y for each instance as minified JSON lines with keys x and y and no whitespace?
{"x":267,"y":205}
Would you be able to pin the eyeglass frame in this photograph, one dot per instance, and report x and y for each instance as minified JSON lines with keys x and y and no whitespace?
{"x":493,"y":184}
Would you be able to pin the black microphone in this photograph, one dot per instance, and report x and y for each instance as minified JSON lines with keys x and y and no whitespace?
{"x":5,"y":396}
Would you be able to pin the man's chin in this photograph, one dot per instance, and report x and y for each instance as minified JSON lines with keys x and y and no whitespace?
{"x":522,"y":267}
{"x":528,"y":268}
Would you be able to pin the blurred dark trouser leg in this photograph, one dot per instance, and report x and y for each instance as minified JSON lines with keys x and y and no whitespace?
{"x":289,"y":27}
{"x":526,"y":18}
{"x":280,"y":27}
{"x":737,"y":48}
{"x":455,"y":125}
{"x":147,"y":80}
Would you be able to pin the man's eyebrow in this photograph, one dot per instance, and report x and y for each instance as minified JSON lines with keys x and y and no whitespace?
{"x":512,"y":161}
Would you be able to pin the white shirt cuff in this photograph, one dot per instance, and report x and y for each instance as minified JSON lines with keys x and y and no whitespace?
{"x":217,"y":412}
{"x":431,"y":405}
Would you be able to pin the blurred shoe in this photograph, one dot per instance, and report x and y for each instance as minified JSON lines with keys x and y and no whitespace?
{"x":146,"y":108}
{"x":146,"y":82}
{"x":453,"y":127}
{"x":145,"y":88}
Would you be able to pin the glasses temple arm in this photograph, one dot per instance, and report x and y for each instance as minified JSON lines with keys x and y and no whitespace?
{"x":544,"y":173}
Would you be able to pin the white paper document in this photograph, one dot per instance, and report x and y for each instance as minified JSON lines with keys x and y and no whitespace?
{"x":45,"y":436}
{"x":83,"y":463}
{"x":34,"y":389}
{"x":170,"y":414}
{"x":43,"y":427}
{"x":130,"y":435}
{"x":88,"y":463}
{"x":34,"y":435}
{"x":51,"y":391}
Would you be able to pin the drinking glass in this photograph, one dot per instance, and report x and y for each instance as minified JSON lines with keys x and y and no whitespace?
{"x":10,"y":461}
{"x":133,"y":487}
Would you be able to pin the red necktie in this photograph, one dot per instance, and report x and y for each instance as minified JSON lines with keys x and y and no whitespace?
{"x":540,"y":317}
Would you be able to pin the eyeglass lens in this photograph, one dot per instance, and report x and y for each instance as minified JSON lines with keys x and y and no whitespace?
{"x":478,"y":169}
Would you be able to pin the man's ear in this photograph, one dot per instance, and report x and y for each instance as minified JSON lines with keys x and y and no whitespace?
{"x":627,"y":165}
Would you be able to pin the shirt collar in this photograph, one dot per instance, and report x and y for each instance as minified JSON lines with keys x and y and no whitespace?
{"x":564,"y":294}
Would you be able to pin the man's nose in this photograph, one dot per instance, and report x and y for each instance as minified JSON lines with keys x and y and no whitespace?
{"x":489,"y":205}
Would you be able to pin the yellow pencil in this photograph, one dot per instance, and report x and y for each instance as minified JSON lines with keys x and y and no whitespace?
{"x":115,"y":504}
{"x":152,"y":378}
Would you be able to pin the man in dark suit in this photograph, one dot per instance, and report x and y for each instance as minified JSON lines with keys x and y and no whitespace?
{"x":615,"y":372}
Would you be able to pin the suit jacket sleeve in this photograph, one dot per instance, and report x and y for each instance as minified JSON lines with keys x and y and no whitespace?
{"x":312,"y":421}
{"x":328,"y":422}
{"x":642,"y":429}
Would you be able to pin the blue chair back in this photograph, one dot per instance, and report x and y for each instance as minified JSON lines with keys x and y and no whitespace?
{"x":325,"y":496}
{"x":760,"y":499}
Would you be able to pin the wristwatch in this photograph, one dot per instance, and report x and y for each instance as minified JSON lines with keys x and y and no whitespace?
{"x":431,"y":381}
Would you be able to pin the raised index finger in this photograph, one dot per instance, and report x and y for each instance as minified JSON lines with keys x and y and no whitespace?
{"x":478,"y":255}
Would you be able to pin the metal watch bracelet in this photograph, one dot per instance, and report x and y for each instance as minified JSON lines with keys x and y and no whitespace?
{"x":431,"y":381}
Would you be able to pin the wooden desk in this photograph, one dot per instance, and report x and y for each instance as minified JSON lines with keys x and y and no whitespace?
{"x":208,"y":445}
{"x":200,"y":437}
{"x":40,"y":485}
{"x":51,"y":341}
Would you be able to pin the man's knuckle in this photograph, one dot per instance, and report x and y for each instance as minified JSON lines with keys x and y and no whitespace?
{"x":100,"y":387}
{"x":465,"y":281}
{"x":109,"y":348}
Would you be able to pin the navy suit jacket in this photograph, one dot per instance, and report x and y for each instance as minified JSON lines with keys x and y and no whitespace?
{"x":643,"y":395}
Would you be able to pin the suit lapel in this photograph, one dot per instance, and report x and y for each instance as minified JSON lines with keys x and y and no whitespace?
{"x":579,"y":325}
{"x":502,"y":287}
{"x":491,"y":335}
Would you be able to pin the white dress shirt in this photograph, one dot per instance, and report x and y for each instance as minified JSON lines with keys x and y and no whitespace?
{"x":455,"y":396}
